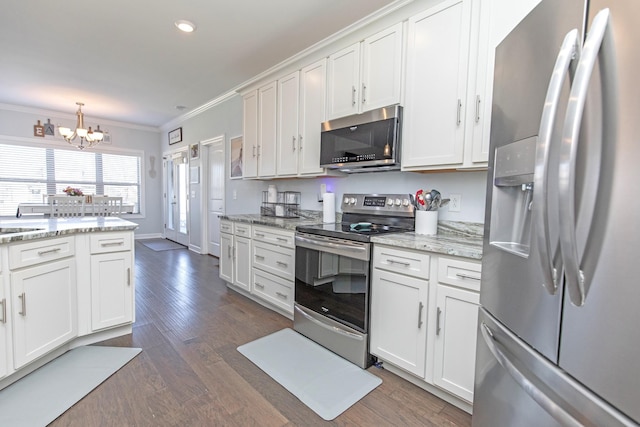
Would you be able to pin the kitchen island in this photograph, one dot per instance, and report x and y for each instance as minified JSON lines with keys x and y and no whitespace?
{"x":64,"y":282}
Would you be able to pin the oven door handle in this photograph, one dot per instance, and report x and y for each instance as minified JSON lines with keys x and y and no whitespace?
{"x":346,"y":248}
{"x":331,"y":328}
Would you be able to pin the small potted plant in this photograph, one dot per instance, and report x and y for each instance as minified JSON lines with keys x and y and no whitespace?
{"x":73,"y":191}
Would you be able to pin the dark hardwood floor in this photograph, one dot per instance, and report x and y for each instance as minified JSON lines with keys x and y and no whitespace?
{"x":190,"y":374}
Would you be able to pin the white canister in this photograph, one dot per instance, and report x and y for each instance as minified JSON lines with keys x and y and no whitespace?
{"x":427,"y":222}
{"x":272,"y":194}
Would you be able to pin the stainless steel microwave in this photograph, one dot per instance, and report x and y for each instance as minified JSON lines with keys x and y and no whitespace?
{"x":364,"y":142}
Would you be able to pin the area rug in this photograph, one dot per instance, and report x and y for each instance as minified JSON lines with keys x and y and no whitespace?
{"x":46,"y":393}
{"x":322,"y":380}
{"x":161,"y":244}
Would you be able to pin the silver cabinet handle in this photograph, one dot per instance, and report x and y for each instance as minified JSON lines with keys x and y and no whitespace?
{"x":293,"y":142}
{"x":300,"y":141}
{"x":129,"y":276}
{"x":281,"y":295}
{"x":233,"y":252}
{"x":259,"y":235}
{"x":259,"y":257}
{"x":577,"y":283}
{"x":527,"y":385}
{"x":438,"y":312}
{"x":23,"y":298}
{"x":229,"y":249}
{"x":112,"y":243}
{"x":283,"y":264}
{"x":420,"y":307}
{"x":567,"y":53}
{"x":353,"y":95}
{"x":258,"y":285}
{"x":477,"y":108}
{"x":459,"y":113}
{"x":282,"y":239}
{"x":364,"y":88}
{"x":393,"y":261}
{"x":49,"y":251}
{"x":467,"y":276}
{"x":4,"y":310}
{"x":259,"y":149}
{"x":254,"y":151}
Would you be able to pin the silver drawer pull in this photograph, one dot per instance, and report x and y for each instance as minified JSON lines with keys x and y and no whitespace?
{"x":466,"y":276}
{"x":281,"y":295}
{"x":420,"y":307}
{"x":439,"y":312}
{"x":23,"y":297}
{"x":282,"y":239}
{"x":283,"y":264}
{"x":393,"y":261}
{"x":129,"y":276}
{"x":259,"y":235}
{"x":4,"y":310}
{"x":49,"y":251}
{"x":120,"y":243}
{"x":259,"y":257}
{"x":258,"y":285}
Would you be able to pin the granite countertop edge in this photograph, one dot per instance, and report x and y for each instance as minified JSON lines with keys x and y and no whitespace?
{"x":33,"y":229}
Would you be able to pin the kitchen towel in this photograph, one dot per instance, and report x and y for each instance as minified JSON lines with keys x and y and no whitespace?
{"x":328,"y":208}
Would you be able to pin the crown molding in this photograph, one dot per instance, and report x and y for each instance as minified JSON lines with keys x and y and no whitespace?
{"x":198,"y":110}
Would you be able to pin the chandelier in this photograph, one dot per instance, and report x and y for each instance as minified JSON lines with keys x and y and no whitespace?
{"x":88,"y":137}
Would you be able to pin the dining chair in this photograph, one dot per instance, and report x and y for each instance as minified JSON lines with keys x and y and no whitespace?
{"x":67,"y":206}
{"x":106,"y":206}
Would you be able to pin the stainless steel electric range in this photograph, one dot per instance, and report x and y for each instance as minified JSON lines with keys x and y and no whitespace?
{"x":333,"y":268}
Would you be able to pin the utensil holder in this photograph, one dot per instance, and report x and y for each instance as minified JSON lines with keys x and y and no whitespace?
{"x":426,"y":223}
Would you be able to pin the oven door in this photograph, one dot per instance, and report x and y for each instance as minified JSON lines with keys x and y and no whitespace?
{"x":332,"y":278}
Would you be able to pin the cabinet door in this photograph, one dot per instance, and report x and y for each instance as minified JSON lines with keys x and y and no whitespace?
{"x":226,"y":257}
{"x":288,"y":113}
{"x":313,"y":97}
{"x":267,"y":117}
{"x":437,"y":53}
{"x":44,"y":309}
{"x":381,"y":69}
{"x":242,"y":263}
{"x":5,"y":346}
{"x":398,"y":320}
{"x":343,"y":82}
{"x":250,"y":135}
{"x":455,"y":343}
{"x":112,"y":290}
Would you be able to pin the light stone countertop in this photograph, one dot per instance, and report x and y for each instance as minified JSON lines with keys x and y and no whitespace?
{"x":461,"y":239}
{"x":306,"y":218}
{"x":14,"y":230}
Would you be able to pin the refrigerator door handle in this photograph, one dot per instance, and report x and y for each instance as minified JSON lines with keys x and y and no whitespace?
{"x":546,"y":402}
{"x":577,"y":283}
{"x":563,"y":66}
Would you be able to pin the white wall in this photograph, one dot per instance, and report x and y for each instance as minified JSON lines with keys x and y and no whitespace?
{"x":16,"y":125}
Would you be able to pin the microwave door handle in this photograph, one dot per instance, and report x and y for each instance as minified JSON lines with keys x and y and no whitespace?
{"x":578,"y":284}
{"x":568,"y":52}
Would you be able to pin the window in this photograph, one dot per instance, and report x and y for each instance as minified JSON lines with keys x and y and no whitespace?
{"x":28,"y":173}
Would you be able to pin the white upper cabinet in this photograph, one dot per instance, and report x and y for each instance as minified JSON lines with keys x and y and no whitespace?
{"x":288,"y":114}
{"x":267,"y":119}
{"x":436,"y":84}
{"x":313,"y":102}
{"x":366,"y":75}
{"x":250,"y":135}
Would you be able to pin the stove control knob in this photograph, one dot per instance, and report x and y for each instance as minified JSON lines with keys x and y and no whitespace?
{"x":390,"y":201}
{"x":398,"y":202}
{"x":405,"y":202}
{"x":346,"y":201}
{"x":352,"y":200}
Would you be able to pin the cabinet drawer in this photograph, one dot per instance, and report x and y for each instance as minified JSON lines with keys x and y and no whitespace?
{"x":110,"y":242}
{"x":242,"y":229}
{"x":464,"y":274}
{"x":273,"y":289}
{"x":411,"y":263}
{"x":39,"y":251}
{"x":274,"y":259}
{"x":274,"y":235}
{"x":226,"y":226}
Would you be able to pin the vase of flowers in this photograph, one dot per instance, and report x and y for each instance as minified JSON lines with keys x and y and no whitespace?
{"x":73,"y":191}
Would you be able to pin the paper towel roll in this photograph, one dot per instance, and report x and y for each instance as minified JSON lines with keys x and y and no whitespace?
{"x":328,"y":208}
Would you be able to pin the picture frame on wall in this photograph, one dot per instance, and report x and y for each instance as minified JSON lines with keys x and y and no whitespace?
{"x":175,"y":136}
{"x":195,"y":151}
{"x":236,"y":158}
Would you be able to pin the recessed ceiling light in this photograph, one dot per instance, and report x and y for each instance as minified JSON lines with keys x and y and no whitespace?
{"x":186,"y":26}
{"x":181,"y":107}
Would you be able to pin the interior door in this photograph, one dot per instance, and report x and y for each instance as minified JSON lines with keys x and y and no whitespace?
{"x":215,"y":195}
{"x":176,"y":197}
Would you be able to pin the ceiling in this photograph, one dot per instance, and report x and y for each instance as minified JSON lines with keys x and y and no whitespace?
{"x":127,"y":62}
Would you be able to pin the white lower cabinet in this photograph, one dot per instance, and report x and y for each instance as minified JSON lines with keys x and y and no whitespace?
{"x":112,"y":280}
{"x":227,"y":266}
{"x":398,"y":320}
{"x":424,"y":310}
{"x":4,"y":324}
{"x":44,"y":309}
{"x":242,"y":263}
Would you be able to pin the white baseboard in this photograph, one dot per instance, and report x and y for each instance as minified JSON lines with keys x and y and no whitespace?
{"x":149,"y":236}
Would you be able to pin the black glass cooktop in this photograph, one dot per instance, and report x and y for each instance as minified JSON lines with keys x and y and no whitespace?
{"x":359,"y":231}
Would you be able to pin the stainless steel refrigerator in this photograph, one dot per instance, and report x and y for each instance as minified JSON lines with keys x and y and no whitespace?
{"x":559,"y":327}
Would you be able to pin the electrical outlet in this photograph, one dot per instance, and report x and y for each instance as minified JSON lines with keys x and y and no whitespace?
{"x":235,"y":194}
{"x":455,"y":201}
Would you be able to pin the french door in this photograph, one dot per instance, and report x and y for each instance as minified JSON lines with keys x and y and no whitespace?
{"x":176,"y":197}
